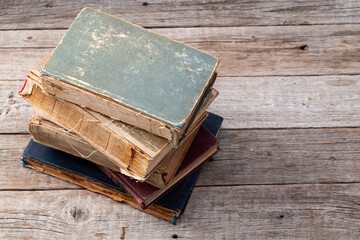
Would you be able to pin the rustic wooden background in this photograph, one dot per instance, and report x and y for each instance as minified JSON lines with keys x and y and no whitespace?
{"x":289,"y":165}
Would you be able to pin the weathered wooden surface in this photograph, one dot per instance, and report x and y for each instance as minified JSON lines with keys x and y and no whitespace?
{"x":245,"y":102}
{"x":286,"y":67}
{"x":247,"y":157}
{"x":14,"y":112}
{"x":15,"y":177}
{"x":284,"y":157}
{"x":243,"y":51}
{"x":171,"y":13}
{"x":313,"y":211}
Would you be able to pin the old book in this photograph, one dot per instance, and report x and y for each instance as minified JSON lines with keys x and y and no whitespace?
{"x":35,"y":76}
{"x":136,"y":151}
{"x":203,"y":147}
{"x":85,"y":173}
{"x":50,"y":134}
{"x":130,"y":73}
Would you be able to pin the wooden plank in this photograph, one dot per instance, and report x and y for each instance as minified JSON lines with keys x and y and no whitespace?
{"x":288,"y":102}
{"x":171,"y":13}
{"x":31,"y":38}
{"x":245,"y":102}
{"x":247,"y":157}
{"x":14,"y":111}
{"x":243,"y":51}
{"x":16,"y":63}
{"x":14,"y":176}
{"x":234,"y":212}
{"x":284,"y":157}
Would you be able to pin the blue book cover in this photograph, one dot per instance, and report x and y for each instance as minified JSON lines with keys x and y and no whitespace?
{"x":170,"y":206}
{"x":152,"y":74}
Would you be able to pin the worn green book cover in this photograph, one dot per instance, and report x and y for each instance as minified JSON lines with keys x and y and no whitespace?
{"x":142,"y":70}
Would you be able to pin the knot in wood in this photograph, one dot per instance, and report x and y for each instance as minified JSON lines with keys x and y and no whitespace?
{"x":78,"y":214}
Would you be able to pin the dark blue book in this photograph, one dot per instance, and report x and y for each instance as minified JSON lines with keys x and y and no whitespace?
{"x":85,"y":173}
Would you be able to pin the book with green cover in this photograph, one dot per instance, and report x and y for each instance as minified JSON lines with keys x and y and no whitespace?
{"x":135,"y":75}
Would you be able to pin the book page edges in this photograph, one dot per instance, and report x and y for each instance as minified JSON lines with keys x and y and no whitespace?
{"x":46,"y":106}
{"x":182,"y":175}
{"x":48,"y":133}
{"x":197,"y":106}
{"x":154,"y":164}
{"x":57,"y":137}
{"x":152,"y":147}
{"x":106,"y":106}
{"x":173,"y":165}
{"x":177,"y":126}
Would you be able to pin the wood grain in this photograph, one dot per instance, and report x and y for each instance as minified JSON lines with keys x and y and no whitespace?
{"x":233,"y":212}
{"x":243,"y":51}
{"x":247,"y":157}
{"x":284,"y":157}
{"x":171,"y":13}
{"x":288,"y":102}
{"x":14,"y":111}
{"x":245,"y":102}
{"x":283,"y":65}
{"x":14,"y":176}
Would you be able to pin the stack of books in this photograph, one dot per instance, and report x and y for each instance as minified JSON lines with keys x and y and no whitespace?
{"x":121,"y":111}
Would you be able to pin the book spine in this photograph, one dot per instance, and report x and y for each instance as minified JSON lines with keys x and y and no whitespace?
{"x":108,"y":107}
{"x":207,"y":90}
{"x":117,"y":179}
{"x":56,"y":137}
{"x":172,"y":163}
{"x":76,"y":120}
{"x":63,"y":141}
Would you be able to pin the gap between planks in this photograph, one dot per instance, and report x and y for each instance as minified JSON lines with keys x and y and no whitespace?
{"x":252,"y":51}
{"x":246,"y":103}
{"x":192,"y":26}
{"x":79,"y":188}
{"x":251,"y":157}
{"x":22,"y":15}
{"x":295,"y":212}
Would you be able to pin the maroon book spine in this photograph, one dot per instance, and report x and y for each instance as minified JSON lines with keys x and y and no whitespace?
{"x":131,"y":185}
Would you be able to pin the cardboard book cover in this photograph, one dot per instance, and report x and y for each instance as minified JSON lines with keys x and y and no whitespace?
{"x":158,"y":83}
